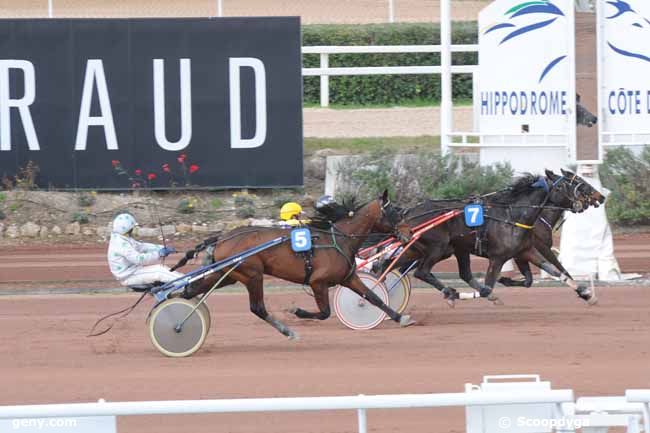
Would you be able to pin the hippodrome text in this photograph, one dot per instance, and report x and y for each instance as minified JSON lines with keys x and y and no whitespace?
{"x":524,"y":102}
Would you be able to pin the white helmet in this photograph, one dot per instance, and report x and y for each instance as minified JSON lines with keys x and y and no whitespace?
{"x":123,"y":223}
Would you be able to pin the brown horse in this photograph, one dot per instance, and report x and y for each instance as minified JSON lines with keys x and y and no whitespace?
{"x":332,"y":261}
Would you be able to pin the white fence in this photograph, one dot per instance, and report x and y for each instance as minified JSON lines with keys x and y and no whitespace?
{"x":324,"y":71}
{"x":500,"y":404}
{"x":360,"y":403}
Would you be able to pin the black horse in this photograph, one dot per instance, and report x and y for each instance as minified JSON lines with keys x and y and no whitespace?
{"x":541,"y":254}
{"x":510,"y":216}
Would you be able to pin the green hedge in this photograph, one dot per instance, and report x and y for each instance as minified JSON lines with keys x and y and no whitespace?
{"x":386,"y":89}
{"x":627,"y":175}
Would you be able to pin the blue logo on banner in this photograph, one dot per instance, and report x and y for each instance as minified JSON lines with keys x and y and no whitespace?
{"x":473,"y":215}
{"x":301,"y":240}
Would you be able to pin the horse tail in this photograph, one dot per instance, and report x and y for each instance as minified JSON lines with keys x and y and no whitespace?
{"x":189,"y":255}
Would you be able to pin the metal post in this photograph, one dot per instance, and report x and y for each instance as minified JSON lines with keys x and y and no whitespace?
{"x":50,"y":11}
{"x":391,"y":11}
{"x":324,"y":81}
{"x":363,"y":420}
{"x":600,"y":79}
{"x":446,"y":107}
{"x":219,"y":8}
{"x":571,"y":133}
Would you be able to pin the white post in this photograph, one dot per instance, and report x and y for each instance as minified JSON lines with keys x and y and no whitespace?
{"x":600,"y":79}
{"x":50,"y":11}
{"x":324,"y":81}
{"x":571,"y":22}
{"x":391,"y":11}
{"x":446,"y":107}
{"x":219,"y":8}
{"x":363,"y":420}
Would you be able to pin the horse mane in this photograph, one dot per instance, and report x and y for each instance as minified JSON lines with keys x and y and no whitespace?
{"x":334,"y":212}
{"x":520,"y":185}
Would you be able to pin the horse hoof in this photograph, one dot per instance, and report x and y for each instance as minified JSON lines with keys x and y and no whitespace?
{"x":495,"y":299}
{"x":451,"y":303}
{"x":293,"y":336}
{"x":405,"y":321}
{"x":592,"y":301}
{"x":292,"y":310}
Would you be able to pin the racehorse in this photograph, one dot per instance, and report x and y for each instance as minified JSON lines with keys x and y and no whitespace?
{"x":332,"y":261}
{"x":510,"y":216}
{"x":542,"y":254}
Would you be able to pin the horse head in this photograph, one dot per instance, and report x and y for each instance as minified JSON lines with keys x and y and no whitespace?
{"x":583,"y":115}
{"x":391,"y":219}
{"x":573,"y":192}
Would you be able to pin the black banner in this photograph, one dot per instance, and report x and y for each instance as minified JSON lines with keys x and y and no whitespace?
{"x":113,"y":104}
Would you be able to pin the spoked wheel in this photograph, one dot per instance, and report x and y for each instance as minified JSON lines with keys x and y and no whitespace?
{"x":354,"y":311}
{"x":399,"y":290}
{"x":173,"y":337}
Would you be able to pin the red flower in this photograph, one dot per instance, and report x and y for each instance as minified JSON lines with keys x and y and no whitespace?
{"x":138,"y":172}
{"x":181,"y":158}
{"x":194,"y":168}
{"x":151,"y":176}
{"x":115,"y":163}
{"x":165,"y":168}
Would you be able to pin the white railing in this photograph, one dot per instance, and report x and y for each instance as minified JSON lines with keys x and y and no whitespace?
{"x":360,"y":403}
{"x":324,"y":71}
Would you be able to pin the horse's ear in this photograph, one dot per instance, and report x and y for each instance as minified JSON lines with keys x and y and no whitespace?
{"x":566,"y":173}
{"x":549,"y":173}
{"x":384,"y":196}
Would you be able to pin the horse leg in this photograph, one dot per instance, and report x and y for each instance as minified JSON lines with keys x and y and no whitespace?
{"x":321,"y":294}
{"x":493,"y":271}
{"x":465,"y":270}
{"x":423,"y":272}
{"x":545,"y":259}
{"x":524,"y":268}
{"x":255,"y":288}
{"x":355,"y":284}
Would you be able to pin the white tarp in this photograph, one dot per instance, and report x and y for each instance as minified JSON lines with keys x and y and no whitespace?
{"x":586,"y":245}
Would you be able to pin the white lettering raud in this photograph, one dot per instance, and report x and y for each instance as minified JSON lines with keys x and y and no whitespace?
{"x":95,"y":77}
{"x":159,"y":105}
{"x":236,"y":140}
{"x":6,"y":103}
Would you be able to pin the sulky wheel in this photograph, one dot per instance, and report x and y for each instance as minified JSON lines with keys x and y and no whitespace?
{"x":206,"y":312}
{"x":173,"y":337}
{"x":354,"y":311}
{"x":399,"y":290}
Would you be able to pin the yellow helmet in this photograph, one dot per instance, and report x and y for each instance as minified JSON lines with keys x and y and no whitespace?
{"x":290,"y":210}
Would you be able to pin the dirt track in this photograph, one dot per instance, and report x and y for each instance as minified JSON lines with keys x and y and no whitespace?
{"x":84,"y":266}
{"x":45,"y":356}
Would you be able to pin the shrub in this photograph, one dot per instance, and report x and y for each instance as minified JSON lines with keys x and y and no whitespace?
{"x":410,"y":178}
{"x":216,"y":203}
{"x":628,"y":177}
{"x":187,"y":205}
{"x":245,"y":212}
{"x":86,"y":199}
{"x":81,"y":217}
{"x":386,"y":89}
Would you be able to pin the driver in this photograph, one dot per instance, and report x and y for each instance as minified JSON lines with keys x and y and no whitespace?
{"x":133,"y":262}
{"x":290,"y":214}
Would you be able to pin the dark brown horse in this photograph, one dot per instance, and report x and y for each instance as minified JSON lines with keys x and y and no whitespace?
{"x":541,"y":254}
{"x":508,"y":231}
{"x":332,"y":262}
